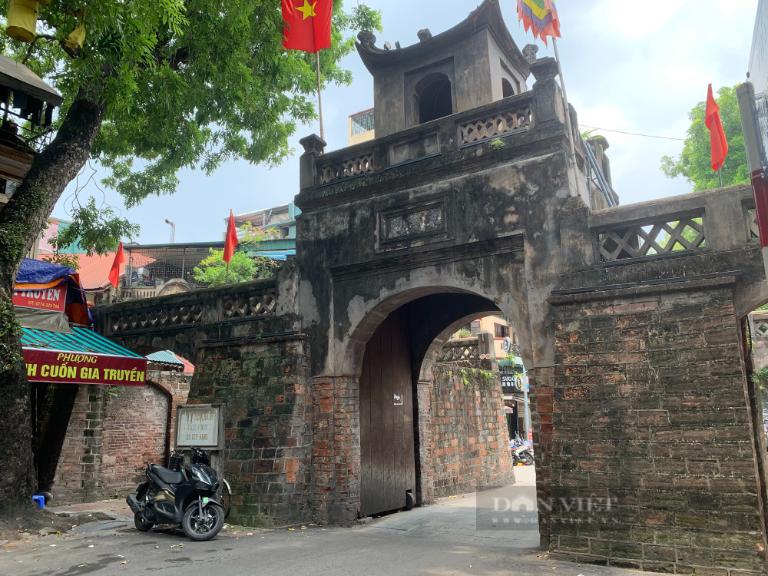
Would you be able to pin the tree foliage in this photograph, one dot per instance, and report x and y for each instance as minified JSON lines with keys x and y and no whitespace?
{"x":694,"y":161}
{"x":184,"y":84}
{"x":213,"y":271}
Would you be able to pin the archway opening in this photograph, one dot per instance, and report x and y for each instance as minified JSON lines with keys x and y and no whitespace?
{"x":434,"y":97}
{"x":433,"y":413}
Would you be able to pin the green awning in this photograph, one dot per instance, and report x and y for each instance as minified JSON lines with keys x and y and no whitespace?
{"x":79,"y":340}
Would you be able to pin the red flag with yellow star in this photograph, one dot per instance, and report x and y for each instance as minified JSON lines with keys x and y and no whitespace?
{"x":307,"y":24}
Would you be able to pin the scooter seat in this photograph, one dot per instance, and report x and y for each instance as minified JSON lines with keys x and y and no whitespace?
{"x":166,"y":475}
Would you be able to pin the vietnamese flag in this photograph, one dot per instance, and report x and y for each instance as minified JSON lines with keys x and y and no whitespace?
{"x":114,"y":272}
{"x":717,"y":140}
{"x":307,"y":24}
{"x":231,"y":241}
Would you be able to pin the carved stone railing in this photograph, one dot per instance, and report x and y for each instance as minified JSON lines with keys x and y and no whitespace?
{"x":495,"y":125}
{"x":464,"y":351}
{"x":341,"y":168}
{"x":137,"y":293}
{"x":652,"y":238}
{"x":713,"y":220}
{"x":497,"y":120}
{"x":200,"y":307}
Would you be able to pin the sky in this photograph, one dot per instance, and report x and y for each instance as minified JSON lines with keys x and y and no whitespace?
{"x":629,"y":66}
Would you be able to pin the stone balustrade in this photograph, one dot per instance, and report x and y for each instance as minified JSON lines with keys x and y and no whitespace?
{"x":714,"y":220}
{"x":500,"y":119}
{"x":201,"y":307}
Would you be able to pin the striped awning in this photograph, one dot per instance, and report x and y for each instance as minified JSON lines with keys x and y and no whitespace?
{"x":80,"y":357}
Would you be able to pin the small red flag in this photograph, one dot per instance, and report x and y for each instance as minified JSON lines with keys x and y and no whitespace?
{"x":114,"y":272}
{"x":718,"y":142}
{"x":307,"y":24}
{"x":231,"y":241}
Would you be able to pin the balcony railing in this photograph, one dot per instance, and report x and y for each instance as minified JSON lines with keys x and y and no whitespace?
{"x":717,"y":220}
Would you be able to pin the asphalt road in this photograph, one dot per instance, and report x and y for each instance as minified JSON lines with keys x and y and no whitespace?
{"x":437,"y":540}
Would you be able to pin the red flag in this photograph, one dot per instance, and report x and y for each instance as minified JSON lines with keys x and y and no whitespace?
{"x":307,"y":24}
{"x":114,"y":272}
{"x":231,"y":241}
{"x":718,"y":142}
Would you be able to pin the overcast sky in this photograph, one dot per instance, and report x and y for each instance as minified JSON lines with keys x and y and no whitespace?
{"x":629,"y":65}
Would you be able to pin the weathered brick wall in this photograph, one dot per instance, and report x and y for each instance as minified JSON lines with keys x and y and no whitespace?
{"x":468,"y":431}
{"x":112,"y":434}
{"x":262,"y":385}
{"x":650,"y":411}
{"x":77,"y":474}
{"x":134,"y":433}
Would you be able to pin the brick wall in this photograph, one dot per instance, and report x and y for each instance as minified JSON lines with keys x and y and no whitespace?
{"x":470,"y":442}
{"x":134,"y":432}
{"x":112,"y":433}
{"x":651,"y":420}
{"x":267,"y":421}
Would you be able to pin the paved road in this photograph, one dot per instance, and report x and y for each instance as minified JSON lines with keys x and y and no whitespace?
{"x":439,"y":540}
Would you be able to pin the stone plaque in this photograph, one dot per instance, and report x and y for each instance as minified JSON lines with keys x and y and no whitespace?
{"x":404,"y":226}
{"x":199,"y":426}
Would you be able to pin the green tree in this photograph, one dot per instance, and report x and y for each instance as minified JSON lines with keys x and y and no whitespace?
{"x":159,"y":85}
{"x":694,"y":161}
{"x":212,"y":271}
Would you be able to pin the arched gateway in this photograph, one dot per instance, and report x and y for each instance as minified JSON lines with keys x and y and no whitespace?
{"x":629,"y":320}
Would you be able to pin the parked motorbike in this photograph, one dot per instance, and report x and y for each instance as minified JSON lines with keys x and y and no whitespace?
{"x":521,"y":452}
{"x":188,"y":495}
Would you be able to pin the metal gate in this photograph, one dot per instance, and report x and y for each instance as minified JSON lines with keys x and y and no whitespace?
{"x":386,"y":420}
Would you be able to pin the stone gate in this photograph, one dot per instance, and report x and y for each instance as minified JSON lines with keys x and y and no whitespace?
{"x":470,"y":202}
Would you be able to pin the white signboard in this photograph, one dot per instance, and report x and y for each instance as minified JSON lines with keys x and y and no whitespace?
{"x":198,"y":426}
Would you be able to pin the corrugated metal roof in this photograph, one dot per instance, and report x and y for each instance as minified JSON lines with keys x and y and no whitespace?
{"x":79,"y":340}
{"x":165,"y":357}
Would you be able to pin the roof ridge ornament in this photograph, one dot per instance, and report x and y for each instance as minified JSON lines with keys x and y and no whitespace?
{"x":367,"y":38}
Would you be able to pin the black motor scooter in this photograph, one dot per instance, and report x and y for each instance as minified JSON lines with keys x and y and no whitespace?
{"x":185,"y":495}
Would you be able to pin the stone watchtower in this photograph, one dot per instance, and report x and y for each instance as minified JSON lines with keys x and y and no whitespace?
{"x":472,"y":64}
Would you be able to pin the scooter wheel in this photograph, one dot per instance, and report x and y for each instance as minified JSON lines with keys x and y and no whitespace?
{"x":202,"y":528}
{"x":141,"y":523}
{"x":527,"y":459}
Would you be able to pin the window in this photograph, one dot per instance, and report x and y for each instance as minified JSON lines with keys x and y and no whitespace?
{"x":434,"y":97}
{"x":501,"y":331}
{"x":506,"y":88}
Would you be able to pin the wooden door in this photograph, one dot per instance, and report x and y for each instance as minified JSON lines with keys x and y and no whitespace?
{"x":386,"y":420}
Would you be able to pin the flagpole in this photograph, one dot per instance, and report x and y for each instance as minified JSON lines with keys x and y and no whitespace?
{"x":319,"y":97}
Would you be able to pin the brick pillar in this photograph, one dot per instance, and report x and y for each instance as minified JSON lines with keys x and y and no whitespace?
{"x":541,"y":381}
{"x":336,"y":449}
{"x":425,"y":447}
{"x":78,"y":473}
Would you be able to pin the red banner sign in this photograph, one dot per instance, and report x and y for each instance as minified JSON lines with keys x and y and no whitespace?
{"x":78,"y":368}
{"x":47,"y":299}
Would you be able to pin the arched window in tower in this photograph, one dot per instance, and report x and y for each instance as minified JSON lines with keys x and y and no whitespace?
{"x":434,"y":98}
{"x":506,"y":88}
